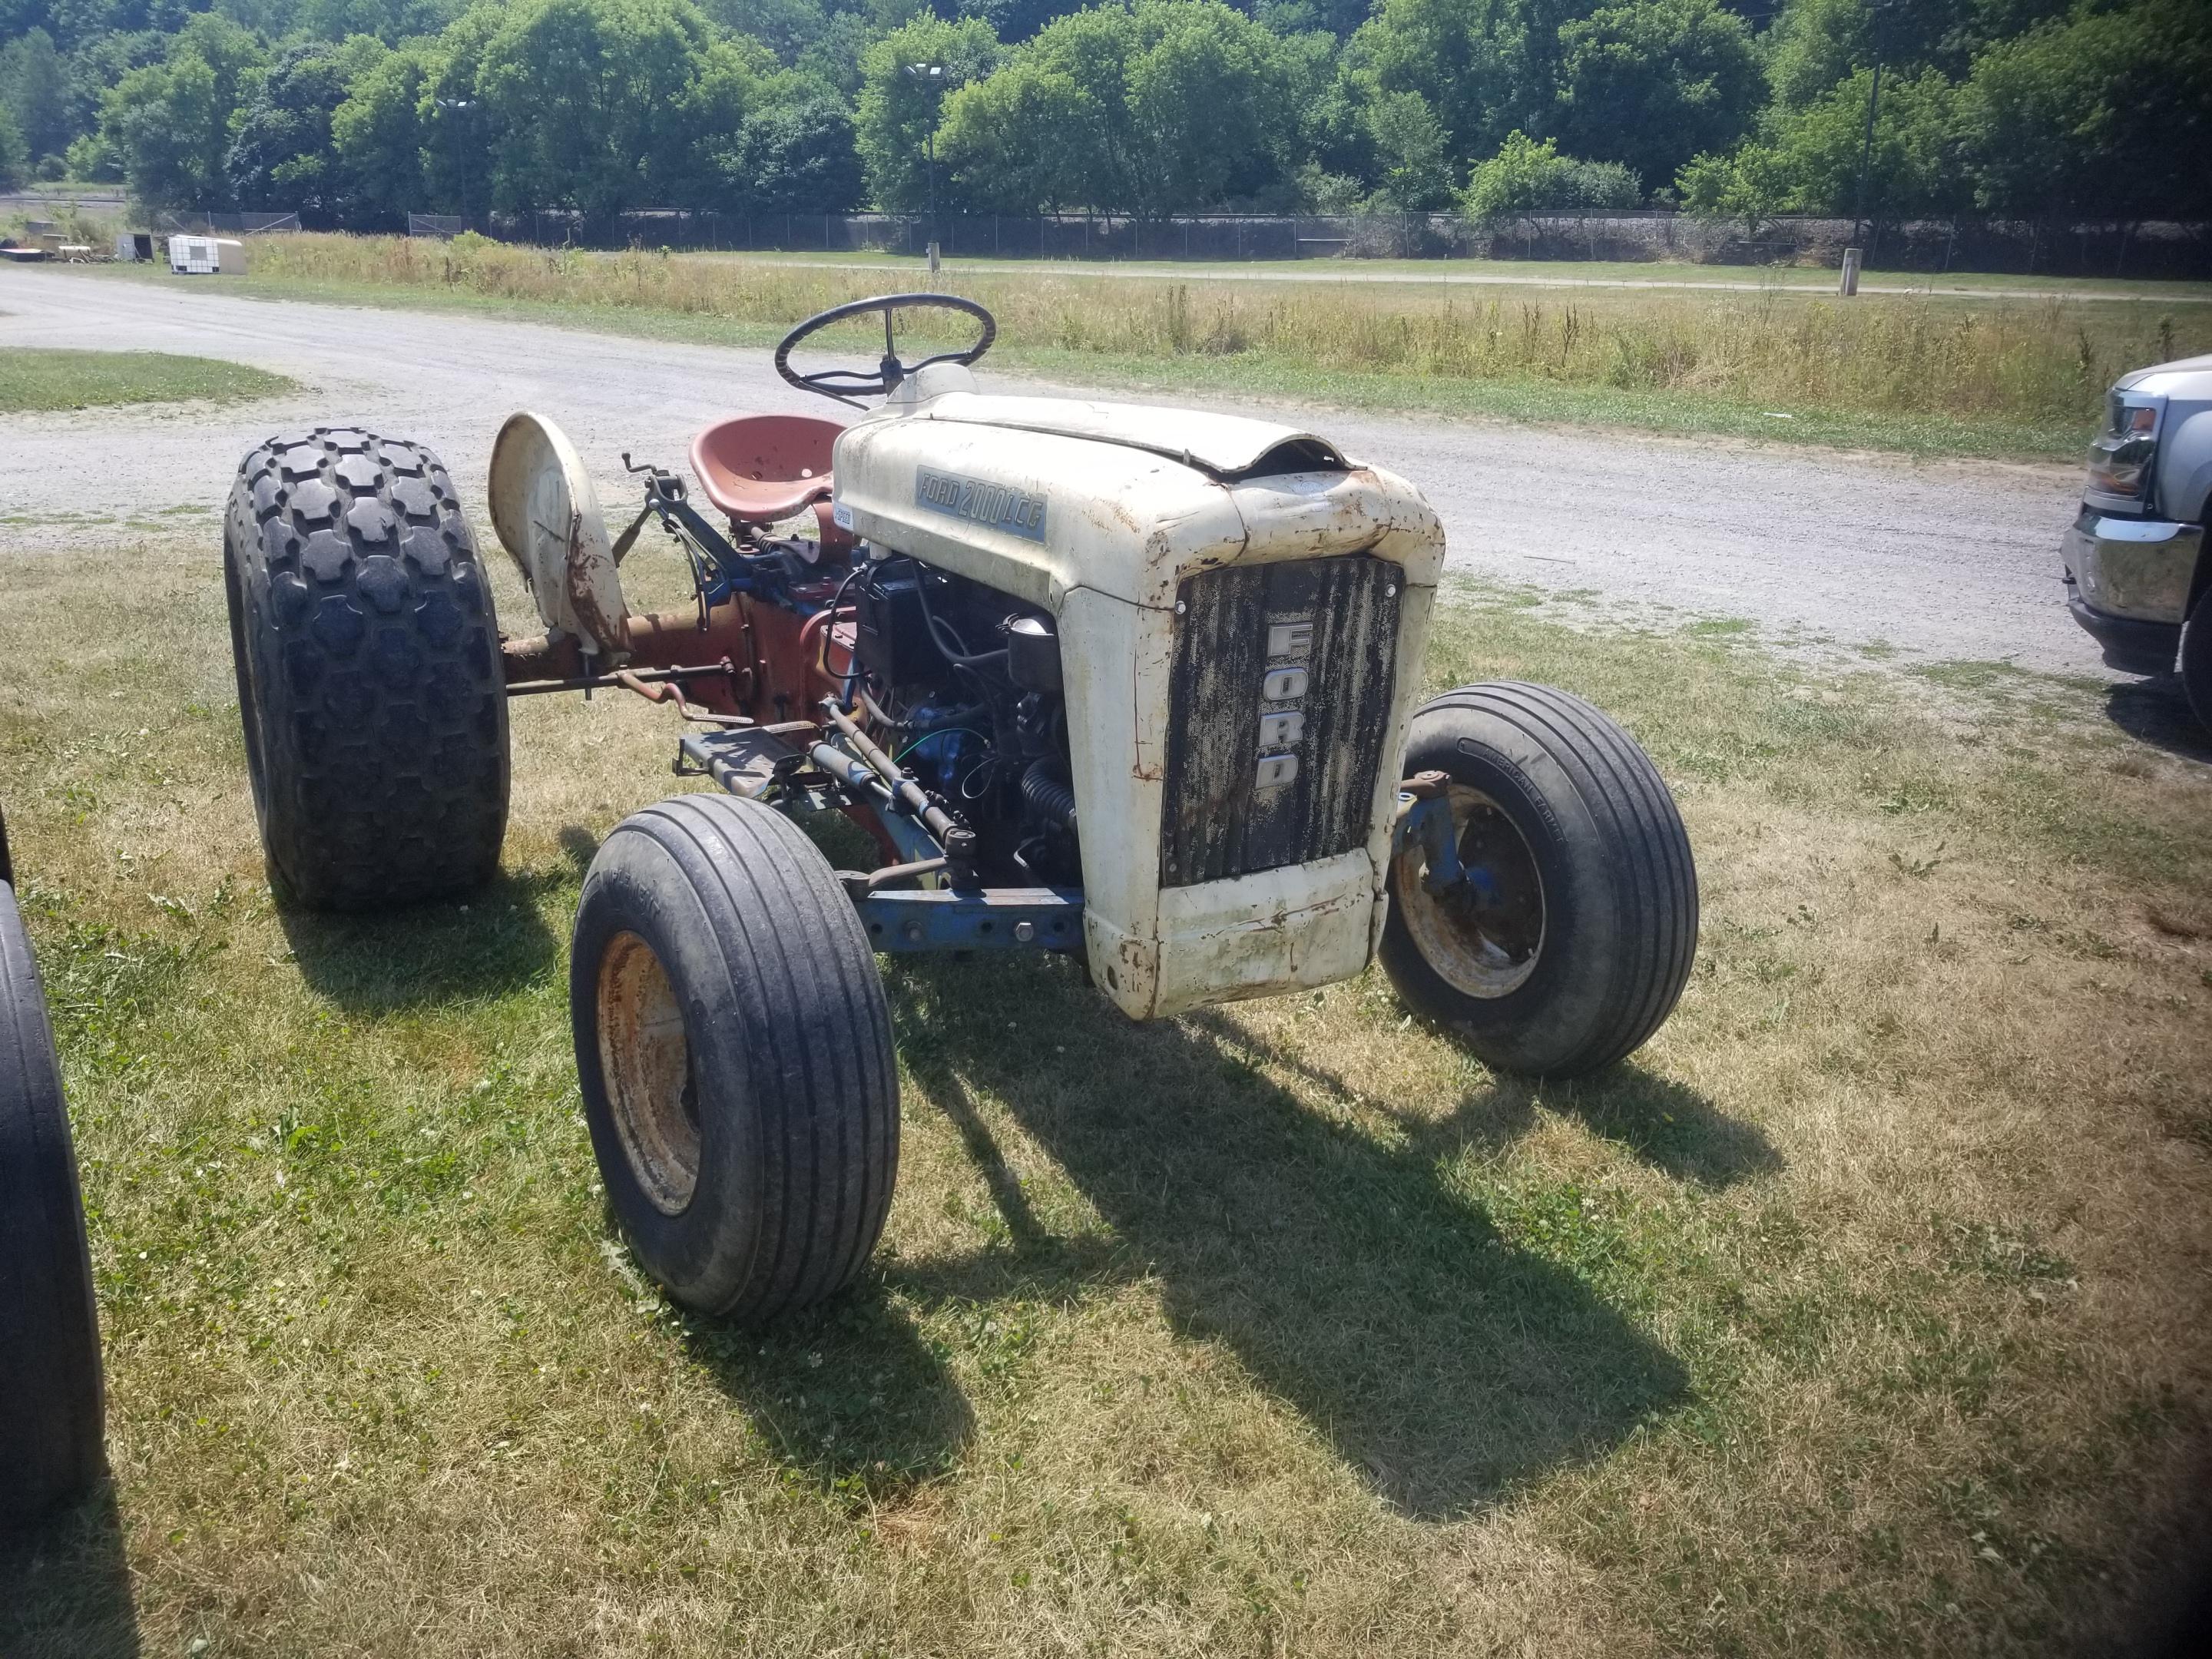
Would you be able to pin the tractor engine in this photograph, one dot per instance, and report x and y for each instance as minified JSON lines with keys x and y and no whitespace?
{"x":1160,"y":654}
{"x":968,"y":681}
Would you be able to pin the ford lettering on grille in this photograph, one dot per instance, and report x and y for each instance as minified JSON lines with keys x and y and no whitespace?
{"x":996,"y":506}
{"x":1281,"y":683}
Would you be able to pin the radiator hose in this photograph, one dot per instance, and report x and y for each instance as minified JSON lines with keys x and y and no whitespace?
{"x":1048,"y":796}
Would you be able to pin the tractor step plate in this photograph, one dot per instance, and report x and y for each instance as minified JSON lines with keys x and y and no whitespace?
{"x":742,"y":761}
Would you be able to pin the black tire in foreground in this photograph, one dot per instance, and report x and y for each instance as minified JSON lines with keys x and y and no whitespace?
{"x":735,"y":1053}
{"x":1570,"y":945}
{"x":51,"y":1406}
{"x":368,"y":672}
{"x":2196,"y":659}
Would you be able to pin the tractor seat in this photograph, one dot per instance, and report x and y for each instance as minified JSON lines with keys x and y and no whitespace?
{"x":764,"y":469}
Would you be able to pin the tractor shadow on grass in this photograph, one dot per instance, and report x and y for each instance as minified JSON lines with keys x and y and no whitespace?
{"x":494,"y":943}
{"x":1449,"y":1366}
{"x":849,"y":1394}
{"x":2156,"y":711}
{"x":1669,"y":1126}
{"x":66,"y":1584}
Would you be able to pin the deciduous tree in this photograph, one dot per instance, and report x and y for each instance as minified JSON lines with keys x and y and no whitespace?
{"x":1526,"y":177}
{"x":281,"y":156}
{"x":377,"y":137}
{"x":34,"y":90}
{"x":899,"y":110}
{"x":605,"y":105}
{"x":15,"y":158}
{"x":169,"y":124}
{"x":1652,"y":82}
{"x":2106,"y":113}
{"x":1159,"y":106}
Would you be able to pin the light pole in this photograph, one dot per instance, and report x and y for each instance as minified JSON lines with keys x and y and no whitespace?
{"x":461,"y":104}
{"x":1866,"y":150}
{"x":1873,"y":99}
{"x":933,"y":76}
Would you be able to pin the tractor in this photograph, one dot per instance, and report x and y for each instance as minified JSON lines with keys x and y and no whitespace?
{"x":1135,"y":685}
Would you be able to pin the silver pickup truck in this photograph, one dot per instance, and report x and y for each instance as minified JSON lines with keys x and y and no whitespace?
{"x":2136,"y":574}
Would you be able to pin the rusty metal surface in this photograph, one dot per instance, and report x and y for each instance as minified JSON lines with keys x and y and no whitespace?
{"x":764,"y":469}
{"x":654,"y":684}
{"x":836,"y":542}
{"x":787,"y":684}
{"x":668,"y":686}
{"x":777,"y":672}
{"x":595,"y":591}
{"x":547,"y":514}
{"x":535,"y":657}
{"x":664,"y":647}
{"x":645,"y":1058}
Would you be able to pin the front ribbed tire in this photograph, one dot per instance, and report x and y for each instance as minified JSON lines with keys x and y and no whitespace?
{"x":734,"y":1048}
{"x":1579,"y":954}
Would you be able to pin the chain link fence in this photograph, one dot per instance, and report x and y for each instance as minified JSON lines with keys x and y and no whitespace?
{"x":223,"y":224}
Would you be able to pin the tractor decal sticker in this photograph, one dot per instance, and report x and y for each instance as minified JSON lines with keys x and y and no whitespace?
{"x":980,"y":501}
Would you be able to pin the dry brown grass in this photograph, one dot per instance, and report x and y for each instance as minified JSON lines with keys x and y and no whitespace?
{"x":2030,"y":364}
{"x":1863,"y":1313}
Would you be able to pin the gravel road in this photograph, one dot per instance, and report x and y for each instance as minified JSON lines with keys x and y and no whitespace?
{"x":1939,"y":560}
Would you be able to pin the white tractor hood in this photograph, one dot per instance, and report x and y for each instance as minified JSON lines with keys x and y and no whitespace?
{"x":1227,"y":446}
{"x":1040,"y":496}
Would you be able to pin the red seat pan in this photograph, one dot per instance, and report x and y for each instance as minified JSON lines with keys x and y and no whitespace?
{"x":764,"y":469}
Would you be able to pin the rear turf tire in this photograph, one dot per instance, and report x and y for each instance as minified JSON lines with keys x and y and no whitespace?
{"x":734,"y":1049}
{"x":368,"y":672}
{"x":51,"y":1406}
{"x":1585,"y":958}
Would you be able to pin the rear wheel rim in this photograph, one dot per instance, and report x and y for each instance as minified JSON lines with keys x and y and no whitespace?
{"x":1480,"y":950}
{"x":646,"y":1059}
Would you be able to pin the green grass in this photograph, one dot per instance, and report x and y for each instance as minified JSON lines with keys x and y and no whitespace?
{"x":35,"y":379}
{"x":1550,"y":402}
{"x":1860,"y":1313}
{"x":1657,"y":272}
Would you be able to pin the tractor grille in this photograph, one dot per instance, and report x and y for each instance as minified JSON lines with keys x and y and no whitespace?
{"x":1229,"y":810}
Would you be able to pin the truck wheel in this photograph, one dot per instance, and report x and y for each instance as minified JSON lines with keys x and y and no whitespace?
{"x":51,"y":1447}
{"x":368,"y":672}
{"x":735,"y":1053}
{"x":2196,"y":659}
{"x":1573,"y":942}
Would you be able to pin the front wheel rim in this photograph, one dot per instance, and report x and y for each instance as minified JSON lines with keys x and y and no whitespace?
{"x":1484,"y":950}
{"x":644,"y":1058}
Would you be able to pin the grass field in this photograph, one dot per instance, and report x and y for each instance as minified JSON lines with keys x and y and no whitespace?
{"x":1863,"y":1312}
{"x":1923,"y":374}
{"x":1655,"y":273}
{"x":33,"y":380}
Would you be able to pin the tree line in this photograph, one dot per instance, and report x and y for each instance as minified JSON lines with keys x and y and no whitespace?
{"x":353,"y":112}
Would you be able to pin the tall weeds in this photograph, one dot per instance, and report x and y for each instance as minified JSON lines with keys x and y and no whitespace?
{"x":2034,"y":361}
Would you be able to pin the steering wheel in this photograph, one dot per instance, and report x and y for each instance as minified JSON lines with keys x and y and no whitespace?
{"x":846,"y":385}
